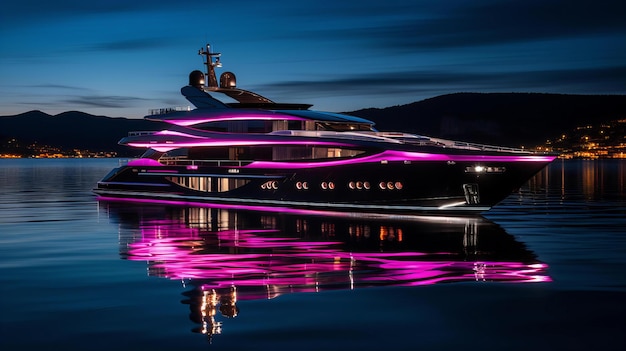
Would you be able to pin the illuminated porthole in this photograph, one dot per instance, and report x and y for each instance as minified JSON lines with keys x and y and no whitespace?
{"x":351,"y":185}
{"x":331,"y":185}
{"x":264,"y":186}
{"x":274,"y":185}
{"x":305,"y":185}
{"x":299,"y":185}
{"x":367,"y":185}
{"x":390,"y":185}
{"x":382,"y":185}
{"x":399,"y":185}
{"x":359,"y":185}
{"x":324,"y":185}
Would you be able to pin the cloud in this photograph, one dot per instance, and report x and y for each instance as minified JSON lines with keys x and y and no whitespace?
{"x":26,"y":12}
{"x":104,"y":101}
{"x":607,"y":80}
{"x":453,"y":24}
{"x":55,"y":87}
{"x":137,"y":44}
{"x":36,"y":8}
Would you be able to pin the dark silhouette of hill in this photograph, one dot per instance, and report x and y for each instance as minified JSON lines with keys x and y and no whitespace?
{"x":508,"y":119}
{"x":73,"y":130}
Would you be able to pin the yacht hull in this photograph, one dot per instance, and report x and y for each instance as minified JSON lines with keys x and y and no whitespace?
{"x":384,"y":186}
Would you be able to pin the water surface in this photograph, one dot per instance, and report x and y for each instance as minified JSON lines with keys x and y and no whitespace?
{"x":543,"y":270}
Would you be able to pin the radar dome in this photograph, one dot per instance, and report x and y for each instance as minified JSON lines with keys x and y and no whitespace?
{"x":228,"y":80}
{"x":196,"y":79}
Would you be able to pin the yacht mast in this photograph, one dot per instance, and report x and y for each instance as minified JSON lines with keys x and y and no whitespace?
{"x":211,"y":79}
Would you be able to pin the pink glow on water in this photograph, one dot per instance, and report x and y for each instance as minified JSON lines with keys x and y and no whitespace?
{"x":262,"y":258}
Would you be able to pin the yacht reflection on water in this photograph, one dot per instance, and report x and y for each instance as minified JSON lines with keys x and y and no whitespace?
{"x":231,"y":255}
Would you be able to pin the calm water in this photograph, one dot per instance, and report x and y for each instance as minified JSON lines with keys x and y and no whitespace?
{"x":544,"y":270}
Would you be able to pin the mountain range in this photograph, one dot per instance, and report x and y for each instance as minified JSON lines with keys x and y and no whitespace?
{"x":73,"y":130}
{"x":507,"y":119}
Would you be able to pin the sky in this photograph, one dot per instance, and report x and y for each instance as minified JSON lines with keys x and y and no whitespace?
{"x":120,"y":58}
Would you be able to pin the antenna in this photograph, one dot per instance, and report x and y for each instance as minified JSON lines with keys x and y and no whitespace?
{"x":211,"y":80}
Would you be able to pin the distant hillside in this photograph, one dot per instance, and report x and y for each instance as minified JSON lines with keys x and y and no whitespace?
{"x":72,"y":129}
{"x":510,"y":119}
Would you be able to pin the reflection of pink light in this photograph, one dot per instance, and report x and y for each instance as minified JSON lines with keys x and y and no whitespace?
{"x":392,"y":155}
{"x":179,"y":252}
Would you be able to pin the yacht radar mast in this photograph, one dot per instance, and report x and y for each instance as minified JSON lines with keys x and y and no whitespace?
{"x":211,"y":79}
{"x":227,"y":85}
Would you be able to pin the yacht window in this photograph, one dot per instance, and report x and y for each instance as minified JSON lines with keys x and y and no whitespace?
{"x":213,"y":126}
{"x":209,"y":184}
{"x":343,"y":127}
{"x":291,"y":153}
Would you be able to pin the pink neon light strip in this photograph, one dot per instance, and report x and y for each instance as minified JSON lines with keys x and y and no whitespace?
{"x":389,"y":155}
{"x":228,"y":142}
{"x":171,"y":132}
{"x":199,"y":120}
{"x":288,"y":210}
{"x":392,"y":155}
{"x":144,"y":162}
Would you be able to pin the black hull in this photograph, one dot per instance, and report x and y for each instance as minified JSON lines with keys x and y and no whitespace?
{"x":393,"y":187}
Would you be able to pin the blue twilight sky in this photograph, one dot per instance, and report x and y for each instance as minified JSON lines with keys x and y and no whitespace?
{"x":120,"y":58}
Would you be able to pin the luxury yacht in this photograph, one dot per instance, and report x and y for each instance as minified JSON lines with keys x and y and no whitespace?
{"x":239,"y":148}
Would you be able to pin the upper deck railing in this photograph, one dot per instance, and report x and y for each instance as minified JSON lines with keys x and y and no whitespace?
{"x":164,"y":110}
{"x":141,"y":132}
{"x":183,"y":161}
{"x":428,"y":141}
{"x":480,"y":147}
